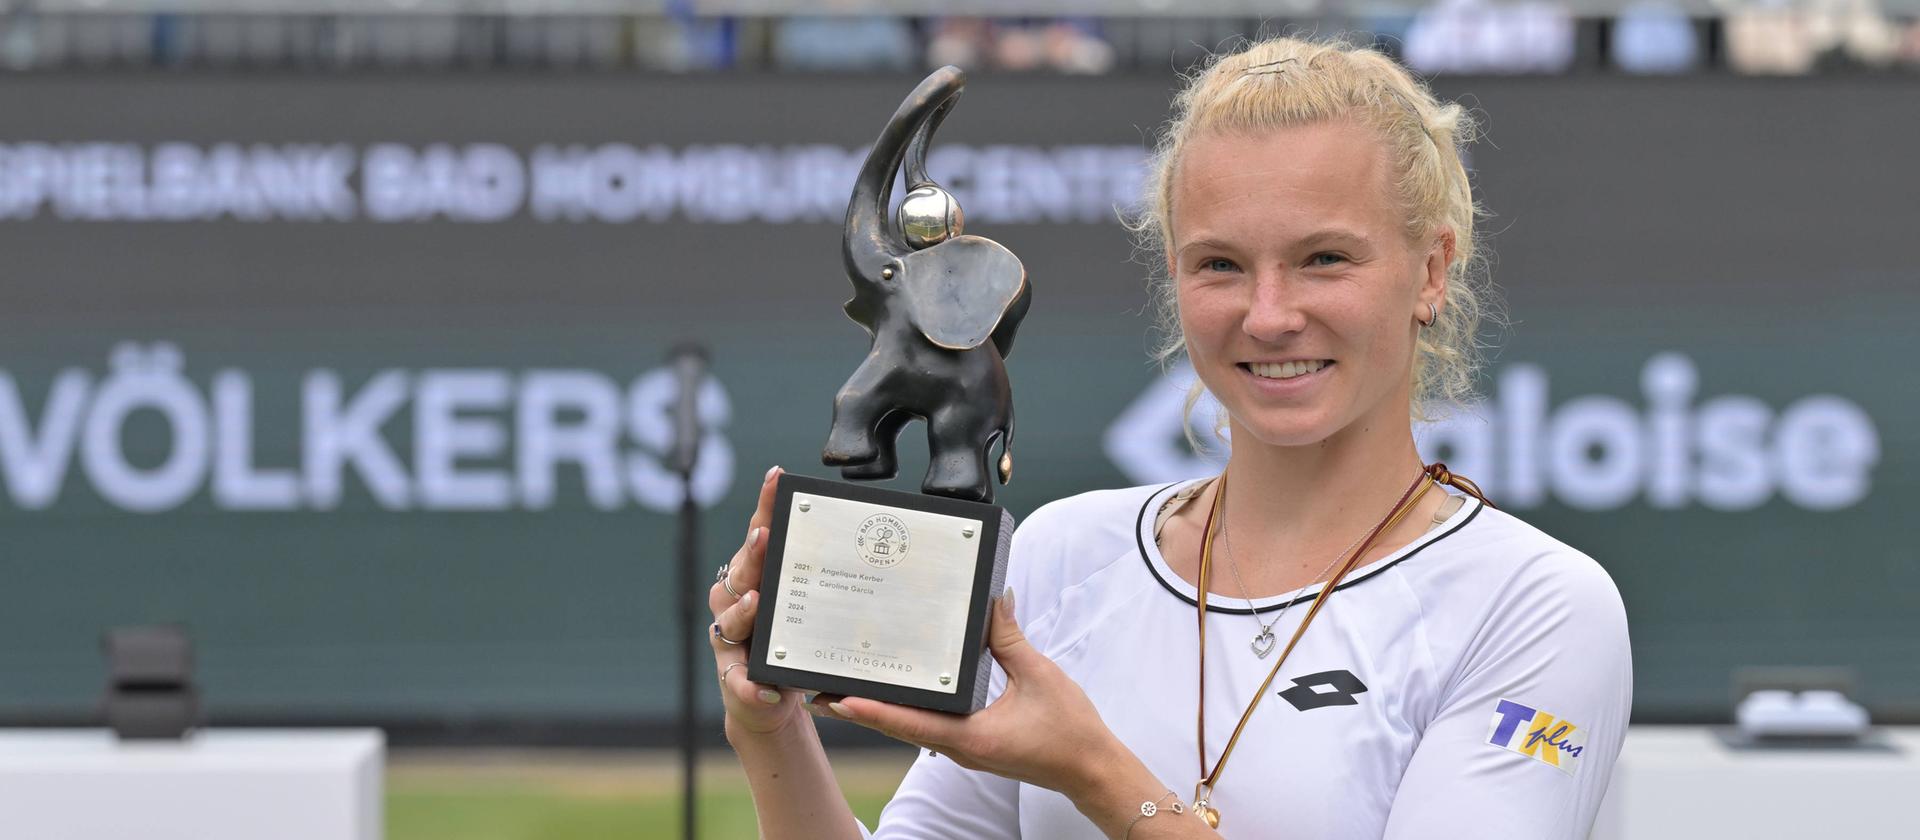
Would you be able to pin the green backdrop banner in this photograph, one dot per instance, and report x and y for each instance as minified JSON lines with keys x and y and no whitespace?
{"x":362,"y":377}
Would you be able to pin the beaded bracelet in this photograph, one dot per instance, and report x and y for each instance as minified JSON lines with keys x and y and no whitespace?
{"x":1148,"y":809}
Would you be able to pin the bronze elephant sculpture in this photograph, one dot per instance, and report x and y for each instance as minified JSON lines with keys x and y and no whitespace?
{"x":941,"y":307}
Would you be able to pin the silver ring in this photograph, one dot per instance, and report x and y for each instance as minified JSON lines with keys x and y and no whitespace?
{"x":728,"y":670}
{"x":723,"y":637}
{"x":1436,"y":315}
{"x":726,"y":580}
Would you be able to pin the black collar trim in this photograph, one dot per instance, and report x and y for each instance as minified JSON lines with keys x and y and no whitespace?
{"x":1368,"y":573}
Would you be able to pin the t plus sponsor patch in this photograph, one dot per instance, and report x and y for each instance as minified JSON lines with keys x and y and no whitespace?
{"x":1537,"y":734}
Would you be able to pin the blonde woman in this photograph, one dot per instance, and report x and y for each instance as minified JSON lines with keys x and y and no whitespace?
{"x":1330,"y":639}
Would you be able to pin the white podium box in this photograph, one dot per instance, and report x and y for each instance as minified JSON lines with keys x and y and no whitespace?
{"x":237,"y":784}
{"x":1686,"y":782}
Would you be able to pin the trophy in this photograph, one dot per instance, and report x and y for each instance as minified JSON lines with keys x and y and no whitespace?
{"x":877,"y":593}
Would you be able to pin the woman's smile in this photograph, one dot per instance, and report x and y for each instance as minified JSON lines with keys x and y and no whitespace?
{"x":1290,"y":378}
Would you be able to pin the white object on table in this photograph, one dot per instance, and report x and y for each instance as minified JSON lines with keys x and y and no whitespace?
{"x":1686,"y":782}
{"x":1805,"y":714}
{"x":234,"y":784}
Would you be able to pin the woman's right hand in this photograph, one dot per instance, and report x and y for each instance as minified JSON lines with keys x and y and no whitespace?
{"x":752,"y":707}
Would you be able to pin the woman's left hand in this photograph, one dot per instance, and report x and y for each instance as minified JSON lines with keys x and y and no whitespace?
{"x":1043,"y":730}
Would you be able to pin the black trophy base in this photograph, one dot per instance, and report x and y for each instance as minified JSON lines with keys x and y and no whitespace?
{"x":879,"y":594}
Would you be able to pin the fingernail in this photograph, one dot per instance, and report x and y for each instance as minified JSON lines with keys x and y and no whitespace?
{"x":769,"y":696}
{"x":749,"y":598}
{"x":753,"y":536}
{"x":1006,"y":602}
{"x":771,"y":472}
{"x":839,"y":710}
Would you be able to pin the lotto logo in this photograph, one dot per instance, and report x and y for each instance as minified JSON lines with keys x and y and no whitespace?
{"x":1537,"y":734}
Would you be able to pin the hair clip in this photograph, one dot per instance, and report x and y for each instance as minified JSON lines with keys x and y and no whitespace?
{"x":1256,"y":69}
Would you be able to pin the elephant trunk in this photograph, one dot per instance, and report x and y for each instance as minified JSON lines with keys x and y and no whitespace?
{"x":871,"y":242}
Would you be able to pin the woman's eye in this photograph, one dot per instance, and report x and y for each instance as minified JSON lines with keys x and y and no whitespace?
{"x":1325,"y":259}
{"x":1218,"y":264}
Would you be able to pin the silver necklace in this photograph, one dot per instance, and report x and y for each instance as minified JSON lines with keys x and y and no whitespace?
{"x":1264,"y":642}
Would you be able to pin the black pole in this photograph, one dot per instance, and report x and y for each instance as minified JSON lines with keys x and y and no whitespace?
{"x":690,"y":369}
{"x":689,"y":720}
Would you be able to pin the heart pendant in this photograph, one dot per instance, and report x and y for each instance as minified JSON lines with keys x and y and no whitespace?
{"x":1263,"y":644}
{"x":1207,"y":812}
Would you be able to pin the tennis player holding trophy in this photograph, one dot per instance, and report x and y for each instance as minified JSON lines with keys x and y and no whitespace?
{"x":1329,"y":639}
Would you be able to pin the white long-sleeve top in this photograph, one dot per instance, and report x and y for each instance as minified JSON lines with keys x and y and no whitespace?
{"x":1475,"y":683}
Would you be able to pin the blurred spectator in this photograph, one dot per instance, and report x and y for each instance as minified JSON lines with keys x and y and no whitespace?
{"x":1017,"y":47}
{"x":1388,"y":30}
{"x":857,"y":42}
{"x":1781,"y":37}
{"x":959,"y":41}
{"x":1776,"y":37}
{"x":1474,"y":36}
{"x":707,"y":43}
{"x":1769,"y":38}
{"x":1063,"y":46}
{"x":1654,"y":37}
{"x":1075,"y":47}
{"x":35,"y":40}
{"x":661,"y":43}
{"x":1910,"y":46}
{"x":681,"y":41}
{"x":1854,"y":32}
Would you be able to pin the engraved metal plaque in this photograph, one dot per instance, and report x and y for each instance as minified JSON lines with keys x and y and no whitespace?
{"x":879,"y":594}
{"x":874,"y":592}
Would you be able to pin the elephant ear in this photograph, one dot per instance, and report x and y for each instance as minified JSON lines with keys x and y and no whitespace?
{"x":957,"y":291}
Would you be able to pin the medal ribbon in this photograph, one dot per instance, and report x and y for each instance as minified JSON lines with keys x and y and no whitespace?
{"x":1430,"y":476}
